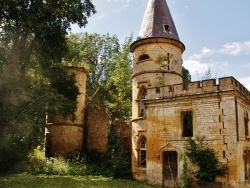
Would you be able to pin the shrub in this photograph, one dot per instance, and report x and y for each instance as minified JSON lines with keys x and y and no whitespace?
{"x":201,"y":155}
{"x":109,"y":165}
{"x":122,"y":167}
{"x":38,"y":164}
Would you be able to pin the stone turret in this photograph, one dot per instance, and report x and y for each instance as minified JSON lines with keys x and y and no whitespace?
{"x":64,"y":137}
{"x":157,"y":53}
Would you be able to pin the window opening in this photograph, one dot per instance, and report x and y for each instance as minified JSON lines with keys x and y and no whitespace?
{"x":187,"y":123}
{"x":166,"y":27}
{"x":246,"y":157}
{"x":143,"y":153}
{"x":157,"y":90}
{"x":246,"y":120}
{"x":143,"y":57}
{"x":142,"y":104}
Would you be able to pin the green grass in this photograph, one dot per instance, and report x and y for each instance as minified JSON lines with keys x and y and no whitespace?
{"x":43,"y":181}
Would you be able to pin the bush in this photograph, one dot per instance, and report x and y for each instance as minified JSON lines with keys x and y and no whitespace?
{"x":38,"y":164}
{"x":201,"y":155}
{"x":109,"y":165}
{"x":122,"y":167}
{"x":14,"y":145}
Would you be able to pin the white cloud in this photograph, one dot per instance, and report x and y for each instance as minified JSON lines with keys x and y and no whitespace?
{"x":196,"y":67}
{"x":246,"y":82}
{"x":205,"y":52}
{"x":236,"y":48}
{"x":199,"y":63}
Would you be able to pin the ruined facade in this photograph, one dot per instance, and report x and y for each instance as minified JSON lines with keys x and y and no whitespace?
{"x":165,"y":111}
{"x":88,"y":132}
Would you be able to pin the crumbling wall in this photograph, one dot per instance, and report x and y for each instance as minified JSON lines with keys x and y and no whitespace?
{"x":64,"y":137}
{"x":124,"y":132}
{"x":97,"y":129}
{"x":64,"y":141}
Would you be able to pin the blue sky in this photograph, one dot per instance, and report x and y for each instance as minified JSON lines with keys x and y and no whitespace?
{"x":216,"y":33}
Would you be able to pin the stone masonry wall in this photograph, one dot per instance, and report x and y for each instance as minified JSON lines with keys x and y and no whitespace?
{"x":66,"y":140}
{"x":215,"y":116}
{"x":97,"y":129}
{"x":64,"y":137}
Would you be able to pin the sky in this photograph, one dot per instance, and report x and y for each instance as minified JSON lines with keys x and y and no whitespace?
{"x":216,"y":33}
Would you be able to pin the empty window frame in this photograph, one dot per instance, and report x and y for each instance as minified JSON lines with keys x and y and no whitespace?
{"x":143,"y":57}
{"x":142,"y":108}
{"x":187,"y":123}
{"x":143,"y":153}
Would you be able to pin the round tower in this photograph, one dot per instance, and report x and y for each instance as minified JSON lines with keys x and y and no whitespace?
{"x":157,"y":63}
{"x":157,"y":54}
{"x":64,"y":137}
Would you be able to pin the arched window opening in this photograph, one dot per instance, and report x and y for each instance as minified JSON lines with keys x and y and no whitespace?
{"x":143,"y":57}
{"x":143,"y":153}
{"x":187,"y":123}
{"x":142,"y":109}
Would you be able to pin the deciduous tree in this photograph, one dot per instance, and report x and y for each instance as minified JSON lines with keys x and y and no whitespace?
{"x":32,"y":45}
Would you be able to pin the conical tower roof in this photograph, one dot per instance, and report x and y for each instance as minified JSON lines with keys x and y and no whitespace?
{"x":158,"y":22}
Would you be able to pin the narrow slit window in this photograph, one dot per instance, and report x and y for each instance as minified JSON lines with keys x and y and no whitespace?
{"x":142,"y":109}
{"x":157,"y":90}
{"x":246,"y":120}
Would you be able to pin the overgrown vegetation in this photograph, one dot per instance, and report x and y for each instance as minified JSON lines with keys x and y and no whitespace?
{"x":94,"y":163}
{"x":33,"y":44}
{"x":109,"y":66}
{"x":205,"y":158}
{"x":184,"y":170}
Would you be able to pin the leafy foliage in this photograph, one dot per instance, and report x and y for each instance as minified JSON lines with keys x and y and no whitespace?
{"x":54,"y":166}
{"x":208,"y":75}
{"x":186,"y":76}
{"x":184,"y":171}
{"x":32,"y":45}
{"x":109,"y":67}
{"x":201,"y":155}
{"x":109,"y":165}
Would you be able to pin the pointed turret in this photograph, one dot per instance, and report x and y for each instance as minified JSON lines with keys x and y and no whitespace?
{"x":158,"y":22}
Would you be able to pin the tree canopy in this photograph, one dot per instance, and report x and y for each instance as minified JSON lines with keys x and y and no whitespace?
{"x":33,"y":44}
{"x":109,"y":66}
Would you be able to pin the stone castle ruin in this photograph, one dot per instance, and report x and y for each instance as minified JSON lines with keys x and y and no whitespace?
{"x":89,"y":132}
